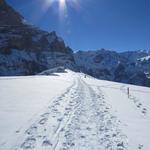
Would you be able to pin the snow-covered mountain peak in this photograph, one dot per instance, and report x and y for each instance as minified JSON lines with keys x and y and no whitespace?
{"x":110,"y":65}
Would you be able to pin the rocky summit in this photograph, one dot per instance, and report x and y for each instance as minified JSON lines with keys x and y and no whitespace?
{"x":26,"y":49}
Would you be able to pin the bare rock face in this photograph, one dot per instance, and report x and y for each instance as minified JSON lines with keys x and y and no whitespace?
{"x":8,"y":16}
{"x":26,"y":49}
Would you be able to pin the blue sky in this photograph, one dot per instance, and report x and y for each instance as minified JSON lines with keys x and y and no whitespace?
{"x":112,"y":24}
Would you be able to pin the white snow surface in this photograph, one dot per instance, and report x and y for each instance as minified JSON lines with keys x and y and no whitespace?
{"x":72,"y":111}
{"x":144,"y":58}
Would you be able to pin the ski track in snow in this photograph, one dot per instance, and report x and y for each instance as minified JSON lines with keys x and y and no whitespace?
{"x":79,"y":119}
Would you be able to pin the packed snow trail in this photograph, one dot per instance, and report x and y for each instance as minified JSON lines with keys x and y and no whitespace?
{"x":78,"y":119}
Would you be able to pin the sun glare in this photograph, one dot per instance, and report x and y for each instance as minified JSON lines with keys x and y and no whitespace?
{"x":62,"y":4}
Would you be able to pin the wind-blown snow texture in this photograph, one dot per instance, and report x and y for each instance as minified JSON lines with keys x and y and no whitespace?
{"x":69,"y":111}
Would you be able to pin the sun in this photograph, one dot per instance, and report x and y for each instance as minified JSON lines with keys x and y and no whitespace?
{"x":62,"y":4}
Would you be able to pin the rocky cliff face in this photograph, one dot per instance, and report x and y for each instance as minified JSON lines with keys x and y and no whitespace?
{"x":8,"y":15}
{"x":25,"y":49}
{"x":128,"y":67}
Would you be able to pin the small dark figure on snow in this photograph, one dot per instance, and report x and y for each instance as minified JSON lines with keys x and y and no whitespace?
{"x":128,"y":91}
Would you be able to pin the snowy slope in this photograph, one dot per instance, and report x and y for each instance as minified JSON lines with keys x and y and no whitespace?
{"x":22,"y":99}
{"x":69,"y":111}
{"x":133,"y":112}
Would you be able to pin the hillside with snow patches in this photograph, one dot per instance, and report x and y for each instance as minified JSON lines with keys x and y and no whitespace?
{"x":72,"y":111}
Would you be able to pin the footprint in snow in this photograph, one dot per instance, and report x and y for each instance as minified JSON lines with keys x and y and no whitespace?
{"x":45,"y":115}
{"x":46,"y":143}
{"x":29,"y":143}
{"x":17,"y":131}
{"x":120,"y":146}
{"x":57,"y":104}
{"x":31,"y":130}
{"x":139,"y":105}
{"x":43,"y":121}
{"x":140,"y":146}
{"x":59,"y":119}
{"x":67,"y":108}
{"x":144,"y":111}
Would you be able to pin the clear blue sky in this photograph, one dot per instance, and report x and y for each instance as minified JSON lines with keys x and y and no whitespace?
{"x":112,"y":24}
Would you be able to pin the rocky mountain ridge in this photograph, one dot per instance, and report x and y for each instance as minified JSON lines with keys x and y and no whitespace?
{"x":128,"y":67}
{"x":27,"y":50}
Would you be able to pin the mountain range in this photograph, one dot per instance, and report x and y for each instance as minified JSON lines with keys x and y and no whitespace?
{"x":128,"y":67}
{"x":28,"y":50}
